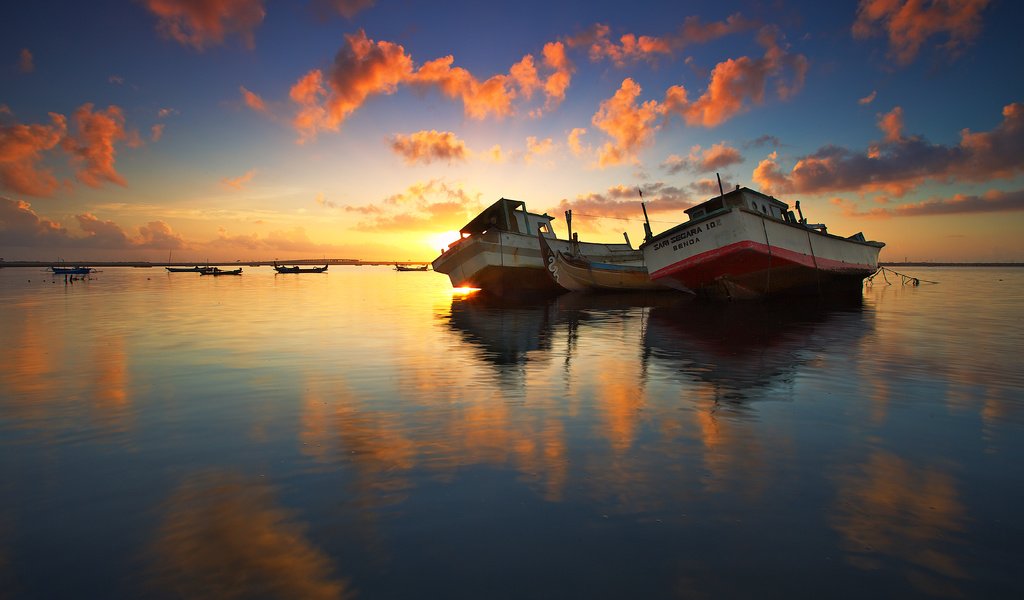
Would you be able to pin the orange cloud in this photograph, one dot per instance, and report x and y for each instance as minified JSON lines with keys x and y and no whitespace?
{"x":202,"y":23}
{"x":427,"y":146}
{"x":21,"y":150}
{"x":492,"y":96}
{"x":430,"y":205}
{"x":524,"y":73}
{"x":93,"y":147}
{"x":238,"y":183}
{"x":735,"y":83}
{"x":157,"y":132}
{"x":558,"y":81}
{"x":536,"y":148}
{"x":718,"y":156}
{"x":623,"y":202}
{"x":899,"y":165}
{"x":632,"y":48}
{"x":909,"y":23}
{"x":25,"y":61}
{"x":630,"y":126}
{"x":868,"y":99}
{"x":253,"y":100}
{"x":574,"y":142}
{"x":345,"y":8}
{"x":993,"y":201}
{"x":891,"y":124}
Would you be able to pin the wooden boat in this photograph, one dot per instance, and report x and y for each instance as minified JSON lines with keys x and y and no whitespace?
{"x":72,"y":270}
{"x":297,"y":269}
{"x":747,"y":245}
{"x":219,"y":271}
{"x":195,"y":269}
{"x":499,"y":252}
{"x":578,"y":273}
{"x":409,"y":268}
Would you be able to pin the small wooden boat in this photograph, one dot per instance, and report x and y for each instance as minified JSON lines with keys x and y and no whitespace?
{"x":410,"y":268}
{"x":297,"y":269}
{"x":577,"y":273}
{"x":219,"y":271}
{"x":195,"y":269}
{"x":72,"y":270}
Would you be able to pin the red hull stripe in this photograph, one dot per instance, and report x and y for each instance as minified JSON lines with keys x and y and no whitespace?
{"x":784,"y":257}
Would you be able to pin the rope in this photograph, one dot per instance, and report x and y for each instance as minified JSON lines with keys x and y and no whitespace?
{"x":905,"y":279}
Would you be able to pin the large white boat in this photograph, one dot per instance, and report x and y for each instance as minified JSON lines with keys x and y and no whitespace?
{"x":747,"y":245}
{"x":499,"y":252}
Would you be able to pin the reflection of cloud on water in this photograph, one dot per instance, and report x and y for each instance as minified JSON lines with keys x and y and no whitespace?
{"x":222,"y":536}
{"x":888,"y":508}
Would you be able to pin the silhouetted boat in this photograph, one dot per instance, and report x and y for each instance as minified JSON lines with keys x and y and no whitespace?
{"x":195,"y":269}
{"x":747,"y":245}
{"x":219,"y":271}
{"x":72,"y":270}
{"x":408,"y":268}
{"x":297,"y":269}
{"x":499,"y":253}
{"x":577,"y":273}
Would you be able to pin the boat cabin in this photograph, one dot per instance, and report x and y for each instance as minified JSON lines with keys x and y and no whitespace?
{"x":509,"y":215}
{"x":747,"y":198}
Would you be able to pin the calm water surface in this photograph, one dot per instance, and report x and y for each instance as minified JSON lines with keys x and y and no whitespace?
{"x":374,"y":434}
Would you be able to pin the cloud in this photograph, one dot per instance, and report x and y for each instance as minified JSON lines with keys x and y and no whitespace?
{"x":868,"y":99}
{"x":633,"y":48}
{"x":630,"y":126}
{"x":93,"y":146}
{"x":427,"y":146}
{"x":21,"y":151}
{"x":718,"y":156}
{"x":22,"y":227}
{"x":992,"y":202}
{"x":26,"y":64}
{"x":116,"y":80}
{"x":908,"y":24}
{"x":764,"y":140}
{"x":156,"y":132}
{"x":536,"y":148}
{"x":574,"y":142}
{"x":345,"y":8}
{"x":202,"y":23}
{"x":562,"y":70}
{"x":897,"y":166}
{"x":238,"y":183}
{"x":163,"y":113}
{"x":622,"y":202}
{"x":434,"y":205}
{"x":738,"y":82}
{"x":891,"y":124}
{"x":252,"y":100}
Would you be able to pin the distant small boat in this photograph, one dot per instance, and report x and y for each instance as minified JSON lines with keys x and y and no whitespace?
{"x":219,"y":271}
{"x":297,"y":269}
{"x":195,"y":269}
{"x":72,"y":270}
{"x":577,"y":273}
{"x":408,"y":268}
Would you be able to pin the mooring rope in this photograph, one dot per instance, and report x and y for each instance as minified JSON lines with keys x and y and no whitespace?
{"x":905,"y":279}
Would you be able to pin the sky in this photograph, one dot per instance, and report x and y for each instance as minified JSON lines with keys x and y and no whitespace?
{"x":222,"y":130}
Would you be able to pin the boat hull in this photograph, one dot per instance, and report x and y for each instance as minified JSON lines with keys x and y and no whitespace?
{"x":507,"y":263}
{"x":742,"y":255}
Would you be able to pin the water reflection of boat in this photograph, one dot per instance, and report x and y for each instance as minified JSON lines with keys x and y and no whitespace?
{"x":499,"y":253}
{"x":743,"y":349}
{"x":298,"y":269}
{"x":744,"y":245}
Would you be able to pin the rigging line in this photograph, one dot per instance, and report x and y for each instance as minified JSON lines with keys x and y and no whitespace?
{"x":576,"y":214}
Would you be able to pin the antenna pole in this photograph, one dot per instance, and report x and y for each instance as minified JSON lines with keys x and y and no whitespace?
{"x":721,"y":192}
{"x":647,"y":222}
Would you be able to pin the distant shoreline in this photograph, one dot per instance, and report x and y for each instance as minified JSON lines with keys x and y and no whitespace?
{"x":144,"y":264}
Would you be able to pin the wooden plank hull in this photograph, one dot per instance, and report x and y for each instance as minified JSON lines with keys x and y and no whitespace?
{"x":507,"y":263}
{"x":740,"y":254}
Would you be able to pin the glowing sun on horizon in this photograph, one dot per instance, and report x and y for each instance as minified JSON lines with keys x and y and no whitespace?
{"x":440,"y":241}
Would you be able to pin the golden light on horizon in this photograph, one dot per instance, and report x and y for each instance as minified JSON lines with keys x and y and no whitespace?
{"x":440,"y":241}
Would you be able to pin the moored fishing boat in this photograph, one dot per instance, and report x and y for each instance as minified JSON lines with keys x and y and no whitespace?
{"x":410,"y":268}
{"x":76,"y":270}
{"x":499,"y":252}
{"x":298,"y":269}
{"x":748,"y":245}
{"x":219,"y":271}
{"x":195,"y":269}
{"x":578,"y":273}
